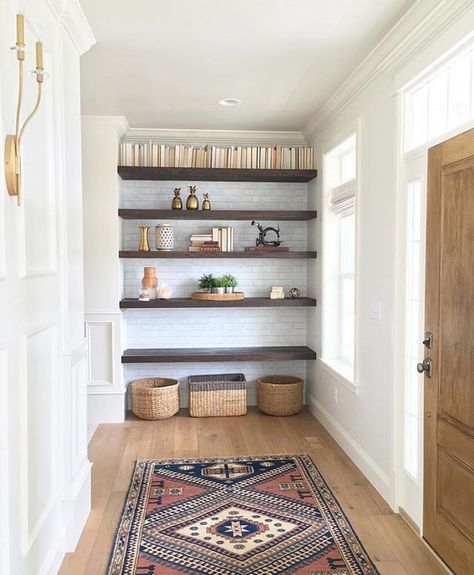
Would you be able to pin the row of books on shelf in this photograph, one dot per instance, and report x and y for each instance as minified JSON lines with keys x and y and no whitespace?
{"x":220,"y":240}
{"x":239,"y":157}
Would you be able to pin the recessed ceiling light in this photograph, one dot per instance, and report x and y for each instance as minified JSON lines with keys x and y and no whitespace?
{"x":230,"y":102}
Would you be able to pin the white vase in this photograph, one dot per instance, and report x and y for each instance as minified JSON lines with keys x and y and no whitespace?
{"x":164,"y":237}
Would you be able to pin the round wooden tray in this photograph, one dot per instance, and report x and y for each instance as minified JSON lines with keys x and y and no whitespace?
{"x":217,"y":296}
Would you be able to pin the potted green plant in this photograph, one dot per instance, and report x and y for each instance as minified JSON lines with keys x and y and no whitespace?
{"x":207,"y":282}
{"x":230,"y":282}
{"x":219,"y":285}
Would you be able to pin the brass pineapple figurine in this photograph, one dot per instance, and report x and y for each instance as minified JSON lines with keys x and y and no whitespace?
{"x":177,"y":203}
{"x":192,"y":203}
{"x":206,"y":204}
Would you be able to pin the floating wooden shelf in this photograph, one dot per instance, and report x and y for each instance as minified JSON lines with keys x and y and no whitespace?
{"x":229,"y":255}
{"x":259,"y":215}
{"x":133,"y":303}
{"x":181,"y":355}
{"x":215,"y":174}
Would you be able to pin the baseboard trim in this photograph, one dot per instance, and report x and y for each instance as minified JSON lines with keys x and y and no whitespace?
{"x":377,"y":477}
{"x":76,"y":510}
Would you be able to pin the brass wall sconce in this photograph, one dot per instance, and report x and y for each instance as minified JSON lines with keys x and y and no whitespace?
{"x":13,"y":141}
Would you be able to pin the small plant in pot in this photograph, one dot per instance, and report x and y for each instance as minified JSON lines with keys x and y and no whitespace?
{"x":207,"y":282}
{"x":230,"y":282}
{"x":219,"y":285}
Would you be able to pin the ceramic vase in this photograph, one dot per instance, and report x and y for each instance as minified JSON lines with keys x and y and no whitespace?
{"x":164,"y":237}
{"x":144,"y":245}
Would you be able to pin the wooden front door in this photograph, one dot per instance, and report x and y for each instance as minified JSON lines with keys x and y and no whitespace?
{"x":449,"y":392}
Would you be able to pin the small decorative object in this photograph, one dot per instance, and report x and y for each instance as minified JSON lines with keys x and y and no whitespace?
{"x":177,"y":203}
{"x":206,"y":282}
{"x":206,"y":204}
{"x":264,"y":232}
{"x":164,"y":291}
{"x":144,"y":245}
{"x":280,"y":394}
{"x":150,"y":281}
{"x":164,"y":237}
{"x":230,"y":282}
{"x":144,"y":294}
{"x":219,"y":286}
{"x":12,"y":153}
{"x":295,"y":293}
{"x":217,"y":395}
{"x":155,"y":398}
{"x":277,"y":293}
{"x":192,"y":203}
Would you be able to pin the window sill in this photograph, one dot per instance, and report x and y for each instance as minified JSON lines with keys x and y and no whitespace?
{"x":341,"y":372}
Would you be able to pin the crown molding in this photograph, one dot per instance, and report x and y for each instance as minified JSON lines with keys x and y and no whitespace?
{"x":416,"y":29}
{"x":119,"y":123}
{"x":166,"y":136}
{"x":70,"y":14}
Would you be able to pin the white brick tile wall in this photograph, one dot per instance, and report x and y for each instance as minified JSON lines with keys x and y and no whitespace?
{"x":220,"y":327}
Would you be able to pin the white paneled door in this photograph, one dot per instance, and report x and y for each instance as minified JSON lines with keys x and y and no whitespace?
{"x":44,"y":469}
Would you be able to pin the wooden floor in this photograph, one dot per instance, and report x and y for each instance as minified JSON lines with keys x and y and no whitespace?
{"x":391,"y":543}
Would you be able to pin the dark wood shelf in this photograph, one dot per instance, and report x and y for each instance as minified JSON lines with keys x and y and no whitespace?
{"x":181,"y":355}
{"x":211,"y":255}
{"x":215,"y":174}
{"x":282,"y":215}
{"x":133,"y":303}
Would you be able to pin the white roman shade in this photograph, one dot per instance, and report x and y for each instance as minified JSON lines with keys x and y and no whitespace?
{"x":342,"y":199}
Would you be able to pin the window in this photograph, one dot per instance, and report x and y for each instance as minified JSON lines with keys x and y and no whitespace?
{"x":339,"y":262}
{"x":441,"y":101}
{"x":414,"y":247}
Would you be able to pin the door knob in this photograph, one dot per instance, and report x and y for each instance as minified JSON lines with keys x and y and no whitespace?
{"x":426,"y":367}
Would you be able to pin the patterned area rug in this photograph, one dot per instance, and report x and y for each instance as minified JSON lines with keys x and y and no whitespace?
{"x":269,"y":515}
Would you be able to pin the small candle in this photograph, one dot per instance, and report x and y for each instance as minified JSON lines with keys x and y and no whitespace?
{"x":39,"y":55}
{"x":20,"y":29}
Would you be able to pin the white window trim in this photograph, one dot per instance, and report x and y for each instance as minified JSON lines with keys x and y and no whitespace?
{"x":330,"y":366}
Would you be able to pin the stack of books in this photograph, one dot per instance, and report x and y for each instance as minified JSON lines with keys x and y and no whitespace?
{"x":239,"y":157}
{"x":224,"y":238}
{"x":198,"y":240}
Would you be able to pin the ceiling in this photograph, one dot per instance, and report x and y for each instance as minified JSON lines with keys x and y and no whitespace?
{"x":166,"y":63}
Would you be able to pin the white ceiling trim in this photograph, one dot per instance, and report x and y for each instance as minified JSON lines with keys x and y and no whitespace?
{"x":119,"y":123}
{"x":216,"y":137}
{"x":70,"y":14}
{"x":420,"y":26}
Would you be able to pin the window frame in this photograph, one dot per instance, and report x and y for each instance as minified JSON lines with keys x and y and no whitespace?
{"x":344,"y":372}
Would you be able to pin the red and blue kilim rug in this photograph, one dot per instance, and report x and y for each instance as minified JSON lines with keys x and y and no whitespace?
{"x":269,"y":515}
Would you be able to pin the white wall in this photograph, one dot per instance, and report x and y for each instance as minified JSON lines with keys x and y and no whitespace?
{"x":45,"y":473}
{"x":367,"y":421}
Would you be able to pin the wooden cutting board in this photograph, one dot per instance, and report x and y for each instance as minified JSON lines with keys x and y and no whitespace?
{"x":217,"y":296}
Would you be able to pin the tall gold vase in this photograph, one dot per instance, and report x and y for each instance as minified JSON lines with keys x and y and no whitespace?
{"x":144,"y":245}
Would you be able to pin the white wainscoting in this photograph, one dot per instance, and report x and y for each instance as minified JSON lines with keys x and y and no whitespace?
{"x":39,"y":432}
{"x":77,"y":480}
{"x":106,"y":400}
{"x":4,"y":458}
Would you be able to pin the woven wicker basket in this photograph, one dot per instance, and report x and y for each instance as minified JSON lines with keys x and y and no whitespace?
{"x":280,"y":394}
{"x":155,"y":398}
{"x":217,"y":395}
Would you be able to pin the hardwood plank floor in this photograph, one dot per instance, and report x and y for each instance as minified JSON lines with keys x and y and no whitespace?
{"x":391,"y":543}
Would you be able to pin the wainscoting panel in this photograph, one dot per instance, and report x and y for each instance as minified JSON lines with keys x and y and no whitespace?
{"x":100,"y":338}
{"x":38,"y":217}
{"x":39,"y":443}
{"x":4,"y":455}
